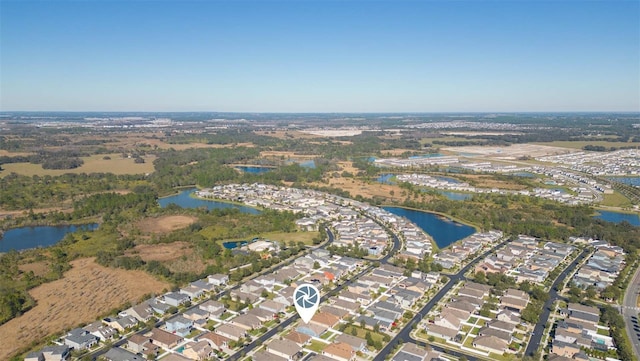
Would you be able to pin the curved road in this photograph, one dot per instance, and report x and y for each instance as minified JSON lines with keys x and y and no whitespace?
{"x":286,"y":323}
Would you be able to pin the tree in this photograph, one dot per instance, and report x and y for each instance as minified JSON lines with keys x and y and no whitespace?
{"x":316,"y":265}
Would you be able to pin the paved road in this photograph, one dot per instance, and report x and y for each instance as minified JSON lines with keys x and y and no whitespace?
{"x":94,"y":355}
{"x":286,"y":323}
{"x":538,"y":330}
{"x":404,"y":334}
{"x":630,"y":312}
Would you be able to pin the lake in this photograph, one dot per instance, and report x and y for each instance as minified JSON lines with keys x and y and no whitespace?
{"x":444,"y":231}
{"x":184,"y":200}
{"x":617,"y":217}
{"x":632,"y":181}
{"x":253,"y":169}
{"x":40,"y":236}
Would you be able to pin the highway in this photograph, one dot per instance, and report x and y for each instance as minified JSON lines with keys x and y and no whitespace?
{"x":629,"y":312}
{"x":538,"y":330}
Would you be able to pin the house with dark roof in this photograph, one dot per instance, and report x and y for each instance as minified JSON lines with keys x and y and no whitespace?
{"x":119,"y":354}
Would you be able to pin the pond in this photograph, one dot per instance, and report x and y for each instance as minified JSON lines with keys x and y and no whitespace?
{"x":184,"y":200}
{"x":386,"y":178}
{"x":40,"y":236}
{"x":617,"y":217}
{"x":443,"y":230}
{"x":253,"y":169}
{"x":456,"y":196}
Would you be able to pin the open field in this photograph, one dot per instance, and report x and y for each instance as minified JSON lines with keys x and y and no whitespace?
{"x":161,"y":252}
{"x":92,"y":164}
{"x":487,"y":181}
{"x":165,"y":224}
{"x":615,"y":200}
{"x":85,"y":292}
{"x":511,"y":152}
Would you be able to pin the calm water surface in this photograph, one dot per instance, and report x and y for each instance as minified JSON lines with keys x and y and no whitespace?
{"x":617,"y":217}
{"x":444,"y":231}
{"x":40,"y":236}
{"x":184,"y":200}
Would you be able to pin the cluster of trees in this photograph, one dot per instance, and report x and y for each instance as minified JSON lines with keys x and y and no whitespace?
{"x":612,"y":317}
{"x":18,"y":192}
{"x":351,"y":250}
{"x":14,"y":283}
{"x":514,"y":214}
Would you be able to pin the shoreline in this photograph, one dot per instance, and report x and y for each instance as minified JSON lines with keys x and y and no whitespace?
{"x":448,"y":217}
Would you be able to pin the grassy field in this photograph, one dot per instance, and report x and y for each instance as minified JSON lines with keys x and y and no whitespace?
{"x":616,"y":200}
{"x":86,"y":291}
{"x":92,"y":164}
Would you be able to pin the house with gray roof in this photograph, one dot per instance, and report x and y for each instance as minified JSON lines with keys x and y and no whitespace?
{"x":80,"y":339}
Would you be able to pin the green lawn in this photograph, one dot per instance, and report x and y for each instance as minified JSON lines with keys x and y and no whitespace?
{"x":316,"y":346}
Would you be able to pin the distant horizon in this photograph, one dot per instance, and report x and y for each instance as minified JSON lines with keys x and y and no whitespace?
{"x":325,"y":112}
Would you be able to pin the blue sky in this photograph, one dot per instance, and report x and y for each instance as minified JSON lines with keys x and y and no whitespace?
{"x":329,"y":56}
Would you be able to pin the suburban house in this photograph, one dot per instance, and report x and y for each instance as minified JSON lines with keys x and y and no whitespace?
{"x":356,"y":343}
{"x":339,"y":351}
{"x":266,"y":356}
{"x":101,"y":331}
{"x":121,"y":323}
{"x":214,"y":308}
{"x":200,"y":350}
{"x":142,"y":344}
{"x":192,"y":291}
{"x":442,"y":332}
{"x":273,"y":306}
{"x":218,"y":279}
{"x":142,"y":312}
{"x":247,"y":321}
{"x":175,"y":299}
{"x":164,"y":339}
{"x":80,"y":339}
{"x":50,"y":353}
{"x":490,"y":344}
{"x":298,"y":338}
{"x":119,"y":354}
{"x":179,"y":325}
{"x":325,"y":319}
{"x":230,"y":331}
{"x":286,"y":349}
{"x":216,"y":341}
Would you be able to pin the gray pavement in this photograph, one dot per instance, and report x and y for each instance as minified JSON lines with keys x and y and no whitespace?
{"x":630,"y":312}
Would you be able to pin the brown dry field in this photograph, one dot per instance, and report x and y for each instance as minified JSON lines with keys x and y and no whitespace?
{"x":92,"y":164}
{"x":486,"y":181}
{"x":39,"y":268}
{"x":85,"y":292}
{"x":165,"y":224}
{"x":162,"y":252}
